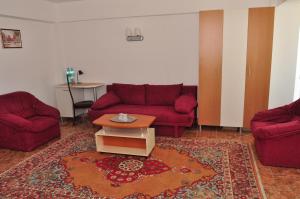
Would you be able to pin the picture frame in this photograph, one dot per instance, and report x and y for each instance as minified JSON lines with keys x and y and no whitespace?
{"x":11,"y":38}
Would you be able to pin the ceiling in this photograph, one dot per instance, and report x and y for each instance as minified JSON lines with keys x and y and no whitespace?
{"x":277,"y":2}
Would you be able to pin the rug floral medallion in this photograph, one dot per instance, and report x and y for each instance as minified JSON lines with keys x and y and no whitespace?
{"x":176,"y":168}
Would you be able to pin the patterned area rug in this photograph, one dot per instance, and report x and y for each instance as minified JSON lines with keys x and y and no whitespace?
{"x":176,"y":168}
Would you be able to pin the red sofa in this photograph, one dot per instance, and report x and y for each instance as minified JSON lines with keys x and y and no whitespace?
{"x":172,"y":105}
{"x":277,"y":135}
{"x":26,"y":122}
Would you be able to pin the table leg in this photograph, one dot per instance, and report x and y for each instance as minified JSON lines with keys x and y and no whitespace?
{"x":95,"y":94}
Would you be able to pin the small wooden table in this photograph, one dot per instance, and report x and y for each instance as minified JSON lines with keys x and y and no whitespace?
{"x":135,"y":138}
{"x":83,"y":85}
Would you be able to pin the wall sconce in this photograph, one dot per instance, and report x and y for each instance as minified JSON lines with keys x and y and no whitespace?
{"x":136,"y":36}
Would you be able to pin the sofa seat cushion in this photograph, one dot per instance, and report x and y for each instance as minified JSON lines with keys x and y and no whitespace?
{"x":41,"y":123}
{"x":164,"y":95}
{"x":255,"y":125}
{"x":270,"y":130}
{"x":27,"y":113}
{"x":258,"y":125}
{"x":130,"y":93}
{"x":165,"y":115}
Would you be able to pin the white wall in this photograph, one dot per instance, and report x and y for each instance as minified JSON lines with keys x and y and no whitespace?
{"x":99,"y":9}
{"x":30,"y":68}
{"x":168,"y":54}
{"x":284,"y":61}
{"x":92,"y":38}
{"x":29,"y":9}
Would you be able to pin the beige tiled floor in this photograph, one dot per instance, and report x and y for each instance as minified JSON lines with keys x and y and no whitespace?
{"x":279,"y":183}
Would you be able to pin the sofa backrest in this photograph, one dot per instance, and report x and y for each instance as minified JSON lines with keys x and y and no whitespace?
{"x":162,"y":95}
{"x":185,"y":89}
{"x":190,"y":90}
{"x":130,"y":93}
{"x":294,"y":107}
{"x":19,"y":103}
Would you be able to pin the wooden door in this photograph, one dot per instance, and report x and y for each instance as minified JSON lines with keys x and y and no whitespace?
{"x":259,"y":57}
{"x":210,"y":66}
{"x":234,"y":67}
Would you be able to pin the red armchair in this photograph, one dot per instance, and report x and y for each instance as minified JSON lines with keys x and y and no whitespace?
{"x":277,"y":135}
{"x":26,"y":122}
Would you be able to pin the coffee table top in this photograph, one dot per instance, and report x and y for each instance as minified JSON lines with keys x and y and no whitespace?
{"x":143,"y":121}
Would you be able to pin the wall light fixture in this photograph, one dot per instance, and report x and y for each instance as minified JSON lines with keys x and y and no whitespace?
{"x":135,"y":35}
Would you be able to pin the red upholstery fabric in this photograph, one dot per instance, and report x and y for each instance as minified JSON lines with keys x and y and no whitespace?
{"x":276,"y":115}
{"x":14,"y":121}
{"x":169,"y":122}
{"x":277,"y":130}
{"x":186,"y":89}
{"x":189,"y":90}
{"x":281,"y":152}
{"x":165,"y":115}
{"x":185,"y":104}
{"x":26,"y":122}
{"x":106,"y":100}
{"x":277,"y":135}
{"x":41,"y":123}
{"x":42,"y":109}
{"x":172,"y":131}
{"x":23,"y":140}
{"x":130,"y":94}
{"x":162,"y":94}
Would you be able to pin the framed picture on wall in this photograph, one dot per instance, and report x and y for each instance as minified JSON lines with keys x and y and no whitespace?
{"x":11,"y":38}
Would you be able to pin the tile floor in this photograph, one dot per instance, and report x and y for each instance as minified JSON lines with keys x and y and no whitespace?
{"x":279,"y":183}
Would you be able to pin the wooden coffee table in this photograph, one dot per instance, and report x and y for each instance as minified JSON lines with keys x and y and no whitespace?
{"x":135,"y":138}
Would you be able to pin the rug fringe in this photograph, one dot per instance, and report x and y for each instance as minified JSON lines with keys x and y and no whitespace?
{"x":259,"y":181}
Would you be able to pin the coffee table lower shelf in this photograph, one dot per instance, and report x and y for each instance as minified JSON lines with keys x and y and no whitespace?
{"x":138,"y":142}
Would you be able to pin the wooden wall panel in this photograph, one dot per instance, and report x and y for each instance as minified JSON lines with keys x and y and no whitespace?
{"x":259,"y":57}
{"x":210,"y":66}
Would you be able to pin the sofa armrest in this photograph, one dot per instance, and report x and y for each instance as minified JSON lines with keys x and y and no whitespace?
{"x":185,"y":104}
{"x":14,"y":121}
{"x":43,"y":109}
{"x":106,"y":100}
{"x":280,"y":114}
{"x":278,"y":130}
